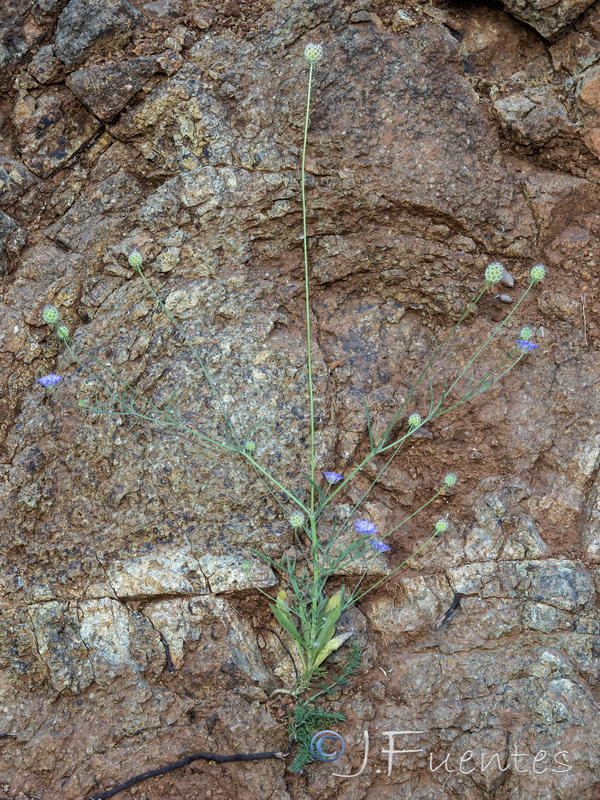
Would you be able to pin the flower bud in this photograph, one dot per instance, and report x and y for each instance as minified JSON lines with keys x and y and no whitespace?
{"x":62,"y":332}
{"x":50,"y":315}
{"x":526,"y":334}
{"x":441,"y":525}
{"x":414,"y":420}
{"x":538,"y":272}
{"x":297,"y":519}
{"x":135,"y":259}
{"x":250,"y":447}
{"x":494,"y":272}
{"x":450,"y":479}
{"x":313,"y":53}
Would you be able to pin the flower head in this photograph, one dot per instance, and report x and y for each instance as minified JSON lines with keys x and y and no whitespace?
{"x":250,"y":447}
{"x":364,"y":526}
{"x":333,"y":477}
{"x":49,"y":380}
{"x":526,"y":346}
{"x":450,"y":479}
{"x":380,"y":547}
{"x":441,"y":525}
{"x":313,"y":53}
{"x":135,"y":259}
{"x":526,"y":333}
{"x":414,"y":420}
{"x":62,"y":332}
{"x":297,"y":519}
{"x":538,"y":272}
{"x":50,"y":315}
{"x":494,"y":272}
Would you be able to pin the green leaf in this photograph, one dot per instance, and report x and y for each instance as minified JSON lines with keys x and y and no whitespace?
{"x":318,"y":489}
{"x":287,"y":624}
{"x":332,"y":646}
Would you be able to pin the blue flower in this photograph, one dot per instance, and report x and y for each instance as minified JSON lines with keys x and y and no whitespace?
{"x":526,"y":346}
{"x":50,"y":380}
{"x":381,"y":547}
{"x":333,"y":477}
{"x":362,"y":526}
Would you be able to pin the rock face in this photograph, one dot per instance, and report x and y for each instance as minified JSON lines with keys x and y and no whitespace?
{"x":87,"y":27}
{"x":107,"y":90}
{"x":548,"y":18}
{"x":50,"y":129}
{"x":442,"y":138}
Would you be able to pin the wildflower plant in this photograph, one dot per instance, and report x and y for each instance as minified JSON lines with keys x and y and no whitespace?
{"x":305,"y":607}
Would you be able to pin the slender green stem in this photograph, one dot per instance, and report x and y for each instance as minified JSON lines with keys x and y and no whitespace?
{"x":380,"y":448}
{"x":472,"y":305}
{"x":367,"y":491}
{"x":492,"y":336}
{"x":414,"y":514}
{"x":275,"y":482}
{"x":353,"y":600}
{"x":307,"y":295}
{"x":166,"y":418}
{"x":195,"y":354}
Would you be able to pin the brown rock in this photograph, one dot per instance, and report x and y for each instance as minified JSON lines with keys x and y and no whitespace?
{"x":575,"y":52}
{"x":106,"y":90}
{"x":93,"y":26}
{"x":130,"y":624}
{"x":532,"y":117}
{"x":45,"y":67}
{"x":12,"y":241}
{"x":14,"y":180}
{"x":50,"y":129}
{"x":589,"y":89}
{"x":548,"y":17}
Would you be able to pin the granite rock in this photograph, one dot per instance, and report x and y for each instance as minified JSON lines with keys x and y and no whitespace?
{"x":549,"y":19}
{"x":45,"y":67}
{"x":532,"y":117}
{"x":87,"y":27}
{"x":106,"y":90}
{"x":50,"y":129}
{"x":132,"y":630}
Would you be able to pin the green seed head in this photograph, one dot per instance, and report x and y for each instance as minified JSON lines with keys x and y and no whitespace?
{"x":250,"y":447}
{"x":82,"y":404}
{"x":526,"y":334}
{"x":313,"y":53}
{"x":135,"y":259}
{"x":62,"y":332}
{"x":441,"y":525}
{"x":50,"y":315}
{"x":538,"y":272}
{"x":297,"y":519}
{"x":414,"y":420}
{"x":450,"y":479}
{"x":494,"y":272}
{"x":246,"y":566}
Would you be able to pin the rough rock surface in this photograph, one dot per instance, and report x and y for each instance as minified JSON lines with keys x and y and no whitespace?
{"x":86,"y":27}
{"x":107,"y":90}
{"x":548,"y":18}
{"x":443,"y":137}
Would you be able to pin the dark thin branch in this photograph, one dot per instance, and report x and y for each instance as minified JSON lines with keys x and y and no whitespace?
{"x":451,"y":612}
{"x":281,"y":642}
{"x":183,"y":762}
